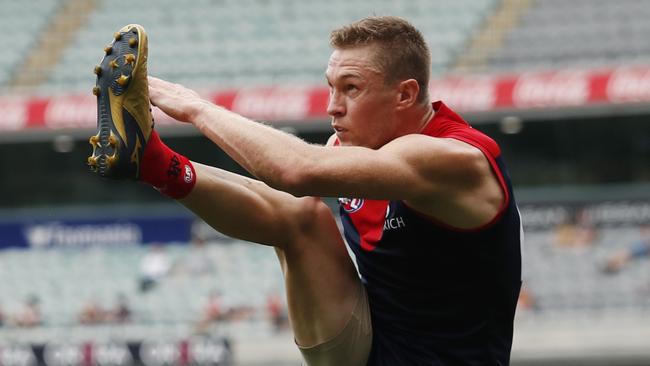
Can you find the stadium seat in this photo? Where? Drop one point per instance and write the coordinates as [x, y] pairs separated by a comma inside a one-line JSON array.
[[242, 43], [557, 34]]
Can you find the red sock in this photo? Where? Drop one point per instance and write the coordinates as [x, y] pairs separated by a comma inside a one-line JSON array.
[[169, 172]]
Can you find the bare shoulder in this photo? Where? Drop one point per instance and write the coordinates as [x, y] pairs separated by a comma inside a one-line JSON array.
[[462, 187], [435, 152]]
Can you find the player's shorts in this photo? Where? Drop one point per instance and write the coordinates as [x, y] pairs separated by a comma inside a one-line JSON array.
[[351, 347]]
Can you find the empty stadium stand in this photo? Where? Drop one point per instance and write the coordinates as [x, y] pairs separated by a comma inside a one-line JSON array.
[[557, 34], [227, 43], [22, 23], [65, 279], [564, 277], [230, 43]]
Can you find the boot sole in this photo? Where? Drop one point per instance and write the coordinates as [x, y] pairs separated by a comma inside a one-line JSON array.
[[114, 74]]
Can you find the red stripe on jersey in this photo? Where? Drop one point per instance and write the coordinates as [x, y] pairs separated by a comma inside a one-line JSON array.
[[447, 124], [369, 221]]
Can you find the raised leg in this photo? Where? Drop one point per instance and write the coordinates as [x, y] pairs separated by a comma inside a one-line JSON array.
[[321, 282]]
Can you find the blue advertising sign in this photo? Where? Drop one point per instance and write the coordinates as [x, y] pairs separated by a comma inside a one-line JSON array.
[[75, 232]]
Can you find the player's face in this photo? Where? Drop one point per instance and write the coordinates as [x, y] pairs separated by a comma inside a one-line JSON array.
[[362, 107]]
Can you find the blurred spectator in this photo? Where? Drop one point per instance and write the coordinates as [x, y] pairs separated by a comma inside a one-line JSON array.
[[212, 312], [92, 313], [277, 312], [153, 267], [578, 231], [240, 312], [30, 315], [526, 302], [622, 258], [121, 313]]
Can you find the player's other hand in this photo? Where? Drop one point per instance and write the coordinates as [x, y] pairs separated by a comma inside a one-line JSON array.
[[175, 100]]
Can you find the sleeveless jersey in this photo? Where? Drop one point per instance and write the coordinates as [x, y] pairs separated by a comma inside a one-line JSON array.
[[438, 295]]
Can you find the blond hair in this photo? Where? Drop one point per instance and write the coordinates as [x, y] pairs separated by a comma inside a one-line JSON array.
[[402, 51]]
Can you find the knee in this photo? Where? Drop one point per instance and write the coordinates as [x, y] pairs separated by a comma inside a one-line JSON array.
[[313, 215], [311, 221], [291, 222]]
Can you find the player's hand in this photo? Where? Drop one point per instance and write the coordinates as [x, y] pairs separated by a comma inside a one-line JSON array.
[[177, 101]]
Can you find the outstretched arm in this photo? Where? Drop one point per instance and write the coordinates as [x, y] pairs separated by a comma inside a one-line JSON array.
[[268, 154], [444, 178]]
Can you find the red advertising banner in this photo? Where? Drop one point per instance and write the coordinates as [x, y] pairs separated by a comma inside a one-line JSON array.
[[548, 89]]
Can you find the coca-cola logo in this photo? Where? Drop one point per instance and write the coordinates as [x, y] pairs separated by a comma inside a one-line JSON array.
[[567, 88], [466, 94], [14, 114], [629, 85], [273, 103], [71, 112]]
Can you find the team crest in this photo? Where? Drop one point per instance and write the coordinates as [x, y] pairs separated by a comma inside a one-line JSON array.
[[351, 205]]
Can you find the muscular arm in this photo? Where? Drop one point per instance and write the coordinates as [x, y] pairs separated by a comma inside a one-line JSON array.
[[447, 179]]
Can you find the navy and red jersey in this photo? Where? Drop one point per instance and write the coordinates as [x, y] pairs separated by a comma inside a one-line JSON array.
[[438, 295]]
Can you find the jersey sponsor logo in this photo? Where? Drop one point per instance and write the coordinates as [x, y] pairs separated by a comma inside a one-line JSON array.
[[351, 205], [392, 223]]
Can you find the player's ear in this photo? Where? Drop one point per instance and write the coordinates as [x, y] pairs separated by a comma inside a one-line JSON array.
[[407, 93]]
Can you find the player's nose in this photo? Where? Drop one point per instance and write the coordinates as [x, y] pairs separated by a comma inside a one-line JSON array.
[[335, 105]]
